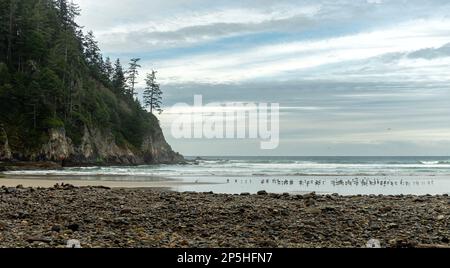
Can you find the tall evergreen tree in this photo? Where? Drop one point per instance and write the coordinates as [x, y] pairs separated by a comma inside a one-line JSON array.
[[119, 80], [152, 93], [108, 69], [133, 73], [53, 76]]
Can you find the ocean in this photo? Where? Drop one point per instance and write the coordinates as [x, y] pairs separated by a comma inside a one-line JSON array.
[[323, 175]]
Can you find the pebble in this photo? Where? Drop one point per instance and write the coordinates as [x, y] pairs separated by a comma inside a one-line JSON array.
[[144, 218], [73, 243], [262, 193], [373, 243], [56, 228], [73, 227]]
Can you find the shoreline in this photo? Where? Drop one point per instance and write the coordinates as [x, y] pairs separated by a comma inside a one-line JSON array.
[[49, 165], [50, 181], [135, 218]]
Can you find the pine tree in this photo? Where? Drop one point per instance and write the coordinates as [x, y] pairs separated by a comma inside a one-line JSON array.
[[119, 80], [132, 75], [92, 52], [108, 69], [53, 76], [152, 93]]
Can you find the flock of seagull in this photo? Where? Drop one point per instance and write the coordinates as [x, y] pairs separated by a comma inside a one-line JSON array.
[[336, 182]]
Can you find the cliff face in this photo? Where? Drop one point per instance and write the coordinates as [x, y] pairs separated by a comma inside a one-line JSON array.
[[5, 151], [96, 148]]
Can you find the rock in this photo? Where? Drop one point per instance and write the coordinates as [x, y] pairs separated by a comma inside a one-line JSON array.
[[73, 243], [440, 218], [310, 202], [373, 243], [392, 226], [314, 211], [267, 244], [402, 243], [262, 193], [75, 227], [385, 209], [161, 219], [245, 194], [432, 246], [102, 187], [374, 226], [5, 150], [95, 146], [121, 221], [33, 239], [11, 190], [328, 209], [310, 195], [126, 211], [56, 228]]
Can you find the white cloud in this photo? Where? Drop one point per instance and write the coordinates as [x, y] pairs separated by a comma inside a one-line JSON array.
[[350, 74], [275, 60], [193, 27]]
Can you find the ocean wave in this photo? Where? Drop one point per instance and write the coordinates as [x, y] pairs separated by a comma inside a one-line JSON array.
[[441, 162]]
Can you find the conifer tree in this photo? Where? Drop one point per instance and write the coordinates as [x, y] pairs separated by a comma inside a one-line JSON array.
[[132, 75], [152, 93], [119, 80]]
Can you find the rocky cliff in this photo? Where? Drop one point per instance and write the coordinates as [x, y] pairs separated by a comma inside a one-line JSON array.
[[5, 151], [96, 148]]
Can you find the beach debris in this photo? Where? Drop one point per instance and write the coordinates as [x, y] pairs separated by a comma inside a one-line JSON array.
[[73, 243], [373, 243]]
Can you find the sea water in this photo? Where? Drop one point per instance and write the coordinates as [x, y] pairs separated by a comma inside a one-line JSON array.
[[342, 175]]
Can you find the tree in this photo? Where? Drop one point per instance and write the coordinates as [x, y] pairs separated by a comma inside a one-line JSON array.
[[11, 29], [133, 74], [92, 52], [108, 69], [52, 75], [152, 93], [118, 80]]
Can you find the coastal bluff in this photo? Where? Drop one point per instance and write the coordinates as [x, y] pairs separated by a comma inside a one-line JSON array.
[[96, 147]]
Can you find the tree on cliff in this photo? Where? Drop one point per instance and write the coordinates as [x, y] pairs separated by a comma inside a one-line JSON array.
[[132, 75], [152, 93], [52, 75], [119, 82]]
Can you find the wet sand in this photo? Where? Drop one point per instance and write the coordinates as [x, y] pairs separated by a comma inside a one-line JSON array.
[[110, 182]]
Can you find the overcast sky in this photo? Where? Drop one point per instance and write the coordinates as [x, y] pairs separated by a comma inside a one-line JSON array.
[[356, 77]]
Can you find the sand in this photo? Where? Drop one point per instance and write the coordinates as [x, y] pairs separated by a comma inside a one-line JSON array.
[[111, 182]]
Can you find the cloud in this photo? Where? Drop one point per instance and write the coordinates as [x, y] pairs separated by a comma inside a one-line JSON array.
[[431, 53], [274, 61], [199, 27], [353, 77]]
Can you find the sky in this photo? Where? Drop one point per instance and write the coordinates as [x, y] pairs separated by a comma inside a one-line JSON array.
[[352, 77]]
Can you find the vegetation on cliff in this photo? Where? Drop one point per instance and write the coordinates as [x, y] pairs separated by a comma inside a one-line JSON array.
[[53, 76]]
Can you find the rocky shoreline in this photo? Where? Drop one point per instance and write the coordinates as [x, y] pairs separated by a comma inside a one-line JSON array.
[[128, 218]]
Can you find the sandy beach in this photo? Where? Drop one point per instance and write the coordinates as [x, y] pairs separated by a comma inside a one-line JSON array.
[[110, 182]]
